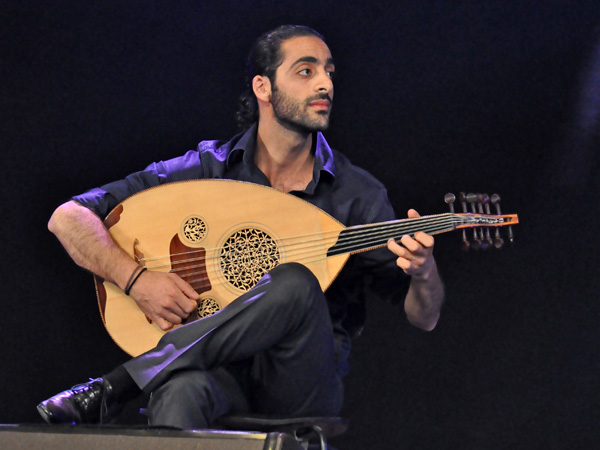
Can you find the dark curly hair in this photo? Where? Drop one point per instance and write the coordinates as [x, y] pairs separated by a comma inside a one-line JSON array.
[[264, 59]]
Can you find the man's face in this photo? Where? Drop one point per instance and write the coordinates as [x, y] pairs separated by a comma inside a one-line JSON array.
[[303, 90]]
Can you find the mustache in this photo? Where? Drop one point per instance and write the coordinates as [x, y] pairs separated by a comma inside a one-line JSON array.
[[318, 97]]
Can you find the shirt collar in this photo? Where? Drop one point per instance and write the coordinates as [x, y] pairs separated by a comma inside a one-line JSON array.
[[246, 145], [324, 155]]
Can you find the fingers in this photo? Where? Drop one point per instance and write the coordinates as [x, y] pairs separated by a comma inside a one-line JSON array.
[[186, 289], [403, 262], [418, 244], [165, 298], [416, 264], [411, 253], [424, 239], [179, 299], [421, 237], [415, 252], [413, 214], [163, 324]]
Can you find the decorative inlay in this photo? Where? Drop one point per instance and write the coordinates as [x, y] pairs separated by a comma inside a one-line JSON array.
[[207, 307], [194, 229], [246, 256]]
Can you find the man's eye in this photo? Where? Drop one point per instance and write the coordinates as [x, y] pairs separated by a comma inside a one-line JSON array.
[[331, 74], [304, 72]]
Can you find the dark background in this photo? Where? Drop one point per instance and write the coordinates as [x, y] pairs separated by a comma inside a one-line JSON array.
[[431, 97]]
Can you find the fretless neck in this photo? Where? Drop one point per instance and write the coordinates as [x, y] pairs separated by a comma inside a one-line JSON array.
[[367, 237]]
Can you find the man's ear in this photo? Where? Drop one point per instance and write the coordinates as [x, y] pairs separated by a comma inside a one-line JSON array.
[[261, 85]]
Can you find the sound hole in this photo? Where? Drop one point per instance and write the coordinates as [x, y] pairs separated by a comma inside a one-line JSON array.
[[246, 256], [207, 307], [194, 229]]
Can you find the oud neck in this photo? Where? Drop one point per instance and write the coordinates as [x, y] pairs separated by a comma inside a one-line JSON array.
[[367, 237]]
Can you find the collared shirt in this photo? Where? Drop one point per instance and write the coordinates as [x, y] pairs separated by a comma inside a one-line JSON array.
[[349, 194]]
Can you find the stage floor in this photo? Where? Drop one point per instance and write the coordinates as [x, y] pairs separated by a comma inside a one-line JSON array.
[[36, 436]]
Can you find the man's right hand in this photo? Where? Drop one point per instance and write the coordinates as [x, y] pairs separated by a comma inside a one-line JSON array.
[[165, 298]]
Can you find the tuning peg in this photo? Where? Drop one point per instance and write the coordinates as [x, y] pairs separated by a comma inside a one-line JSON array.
[[450, 198], [496, 202], [472, 200], [463, 201], [485, 243], [485, 202], [479, 205]]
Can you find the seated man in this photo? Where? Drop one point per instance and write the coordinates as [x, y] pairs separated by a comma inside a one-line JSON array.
[[281, 347]]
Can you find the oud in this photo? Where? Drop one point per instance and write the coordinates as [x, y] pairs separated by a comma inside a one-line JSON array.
[[222, 236]]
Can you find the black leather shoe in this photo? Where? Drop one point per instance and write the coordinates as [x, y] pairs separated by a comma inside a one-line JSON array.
[[90, 402]]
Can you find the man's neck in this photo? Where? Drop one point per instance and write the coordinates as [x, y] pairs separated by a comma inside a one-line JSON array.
[[284, 156]]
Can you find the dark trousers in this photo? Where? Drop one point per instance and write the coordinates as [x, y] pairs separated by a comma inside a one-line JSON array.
[[270, 351]]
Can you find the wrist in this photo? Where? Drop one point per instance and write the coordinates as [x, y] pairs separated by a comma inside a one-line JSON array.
[[423, 275], [135, 274]]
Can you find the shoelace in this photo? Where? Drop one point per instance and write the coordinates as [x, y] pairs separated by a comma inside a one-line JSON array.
[[84, 388]]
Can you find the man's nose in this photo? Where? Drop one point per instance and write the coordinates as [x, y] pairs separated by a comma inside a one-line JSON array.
[[324, 84]]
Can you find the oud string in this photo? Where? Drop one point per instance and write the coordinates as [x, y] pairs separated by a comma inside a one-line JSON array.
[[311, 248], [348, 240]]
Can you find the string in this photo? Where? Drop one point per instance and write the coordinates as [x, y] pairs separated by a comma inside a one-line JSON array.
[[362, 236], [313, 247]]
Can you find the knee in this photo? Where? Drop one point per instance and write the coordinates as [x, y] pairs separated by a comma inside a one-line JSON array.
[[294, 276], [295, 285]]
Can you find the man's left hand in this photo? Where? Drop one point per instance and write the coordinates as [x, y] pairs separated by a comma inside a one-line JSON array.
[[415, 255]]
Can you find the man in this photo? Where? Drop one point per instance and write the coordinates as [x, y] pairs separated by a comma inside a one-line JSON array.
[[231, 361]]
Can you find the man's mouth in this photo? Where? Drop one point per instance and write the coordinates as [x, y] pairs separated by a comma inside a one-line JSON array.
[[320, 104]]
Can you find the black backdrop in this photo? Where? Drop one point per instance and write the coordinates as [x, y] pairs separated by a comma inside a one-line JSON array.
[[432, 97]]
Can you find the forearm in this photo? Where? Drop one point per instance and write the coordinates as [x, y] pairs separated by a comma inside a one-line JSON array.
[[88, 242], [424, 300]]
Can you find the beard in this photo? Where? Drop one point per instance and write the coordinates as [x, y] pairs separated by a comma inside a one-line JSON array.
[[295, 115]]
